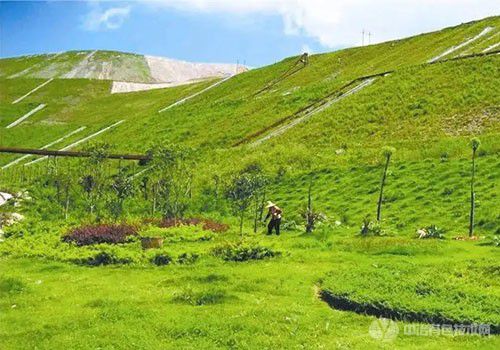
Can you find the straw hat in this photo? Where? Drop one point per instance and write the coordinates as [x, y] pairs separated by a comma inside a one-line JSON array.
[[270, 204]]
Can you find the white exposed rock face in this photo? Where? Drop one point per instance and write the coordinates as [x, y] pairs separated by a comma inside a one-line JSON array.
[[10, 219], [129, 72], [81, 70], [123, 86], [168, 70], [4, 197]]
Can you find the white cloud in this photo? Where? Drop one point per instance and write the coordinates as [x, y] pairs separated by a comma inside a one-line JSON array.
[[340, 22], [111, 18]]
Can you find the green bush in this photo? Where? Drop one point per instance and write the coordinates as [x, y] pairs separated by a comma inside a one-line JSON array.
[[370, 228], [431, 231], [161, 259], [103, 258], [11, 285], [496, 240], [241, 252], [187, 258]]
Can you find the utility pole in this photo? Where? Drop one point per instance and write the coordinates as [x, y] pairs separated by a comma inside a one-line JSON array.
[[369, 37], [363, 37]]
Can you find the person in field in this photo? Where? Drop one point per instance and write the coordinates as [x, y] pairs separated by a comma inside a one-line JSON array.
[[275, 214]]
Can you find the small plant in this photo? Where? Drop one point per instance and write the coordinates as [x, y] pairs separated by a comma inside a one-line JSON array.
[[187, 258], [311, 217], [475, 143], [431, 231], [95, 234], [207, 297], [370, 228], [387, 153], [206, 224], [103, 258], [161, 259], [495, 240], [240, 252]]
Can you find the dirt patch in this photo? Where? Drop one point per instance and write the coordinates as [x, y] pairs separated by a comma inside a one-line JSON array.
[[471, 124]]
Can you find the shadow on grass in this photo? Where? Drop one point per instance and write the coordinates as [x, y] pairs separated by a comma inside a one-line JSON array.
[[344, 303]]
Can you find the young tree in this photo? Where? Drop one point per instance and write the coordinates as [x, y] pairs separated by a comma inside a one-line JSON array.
[[122, 187], [172, 168], [387, 153], [475, 143], [312, 217], [93, 180], [240, 193], [65, 181], [259, 183], [309, 213]]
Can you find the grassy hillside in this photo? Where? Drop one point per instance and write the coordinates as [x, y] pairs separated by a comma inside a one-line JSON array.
[[427, 112]]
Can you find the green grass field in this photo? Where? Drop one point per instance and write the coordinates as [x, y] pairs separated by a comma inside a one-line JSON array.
[[321, 290]]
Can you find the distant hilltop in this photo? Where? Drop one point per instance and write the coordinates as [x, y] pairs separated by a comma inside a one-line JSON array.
[[143, 71]]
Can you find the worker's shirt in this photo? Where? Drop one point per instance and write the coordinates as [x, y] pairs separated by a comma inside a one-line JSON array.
[[275, 212]]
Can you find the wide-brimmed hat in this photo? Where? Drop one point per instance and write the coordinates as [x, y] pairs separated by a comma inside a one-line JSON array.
[[270, 204]]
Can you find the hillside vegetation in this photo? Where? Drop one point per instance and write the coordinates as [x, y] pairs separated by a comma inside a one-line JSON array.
[[318, 131]]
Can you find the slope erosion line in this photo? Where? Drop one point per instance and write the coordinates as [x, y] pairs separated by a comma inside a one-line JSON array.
[[26, 116], [457, 47], [338, 92]]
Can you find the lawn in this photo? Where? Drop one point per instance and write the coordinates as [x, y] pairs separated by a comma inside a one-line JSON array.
[[270, 303]]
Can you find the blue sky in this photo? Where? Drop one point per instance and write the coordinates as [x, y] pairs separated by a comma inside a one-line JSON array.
[[256, 32]]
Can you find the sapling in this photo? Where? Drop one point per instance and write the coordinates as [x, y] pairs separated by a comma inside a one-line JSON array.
[[312, 217], [94, 179], [172, 169], [121, 188], [240, 193], [387, 153], [309, 213], [475, 143]]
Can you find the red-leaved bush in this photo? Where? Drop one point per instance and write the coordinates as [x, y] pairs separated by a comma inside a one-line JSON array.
[[105, 233], [206, 224]]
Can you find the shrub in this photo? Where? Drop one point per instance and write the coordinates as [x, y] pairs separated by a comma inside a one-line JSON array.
[[431, 231], [370, 228], [103, 258], [240, 252], [206, 224], [11, 285], [495, 240], [161, 259], [95, 234], [187, 258]]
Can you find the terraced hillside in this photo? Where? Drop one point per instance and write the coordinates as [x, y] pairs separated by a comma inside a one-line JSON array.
[[321, 127]]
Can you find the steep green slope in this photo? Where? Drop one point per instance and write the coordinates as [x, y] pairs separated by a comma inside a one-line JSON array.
[[425, 111]]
